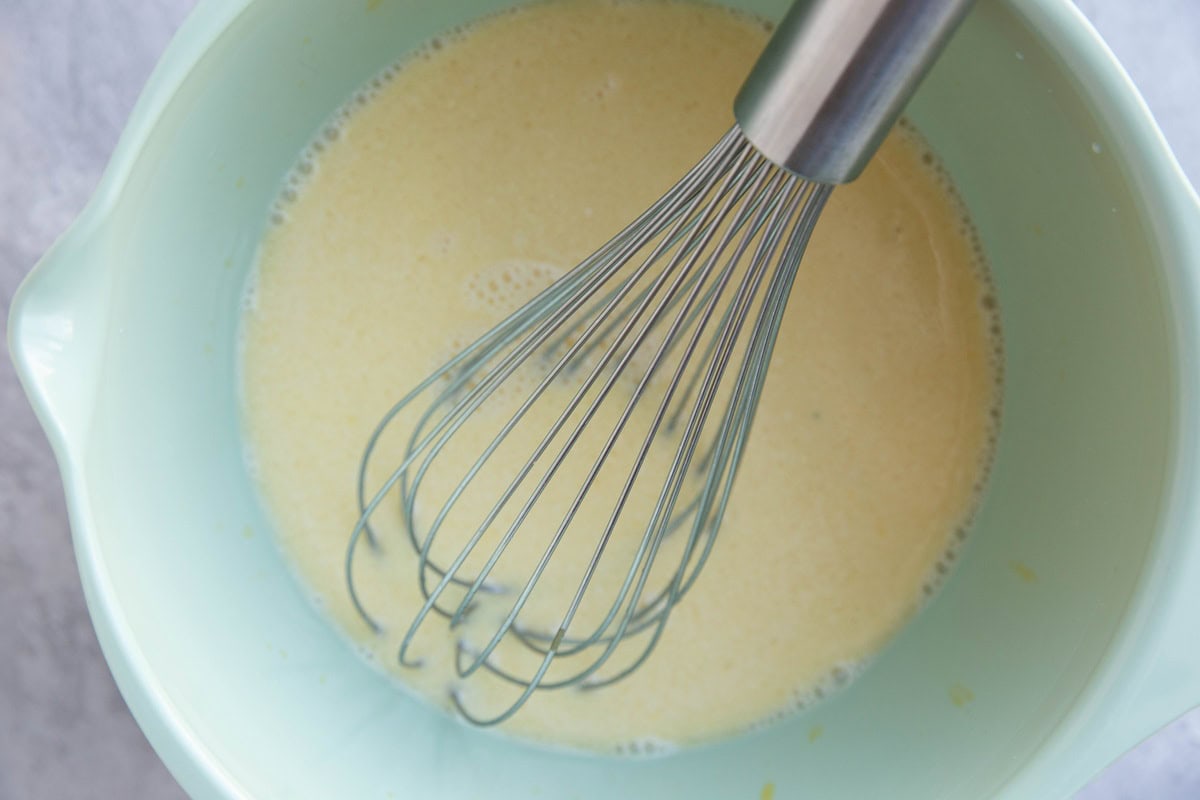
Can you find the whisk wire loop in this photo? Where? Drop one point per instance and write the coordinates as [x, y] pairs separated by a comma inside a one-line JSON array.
[[626, 354], [662, 308], [486, 388]]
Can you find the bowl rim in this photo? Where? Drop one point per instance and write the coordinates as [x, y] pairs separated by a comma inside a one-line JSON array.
[[1161, 184], [1122, 687]]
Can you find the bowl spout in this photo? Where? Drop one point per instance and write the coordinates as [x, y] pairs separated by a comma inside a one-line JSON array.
[[56, 333]]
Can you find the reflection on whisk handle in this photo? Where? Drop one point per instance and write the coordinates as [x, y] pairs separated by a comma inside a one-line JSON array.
[[835, 77]]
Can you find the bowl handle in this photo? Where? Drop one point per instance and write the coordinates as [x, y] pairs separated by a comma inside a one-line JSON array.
[[57, 329]]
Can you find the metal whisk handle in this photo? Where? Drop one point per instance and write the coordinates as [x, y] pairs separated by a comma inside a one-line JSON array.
[[835, 77]]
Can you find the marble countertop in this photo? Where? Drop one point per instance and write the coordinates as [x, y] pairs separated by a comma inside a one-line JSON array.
[[70, 71]]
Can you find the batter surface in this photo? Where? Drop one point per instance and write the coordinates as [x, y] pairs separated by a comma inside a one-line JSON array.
[[475, 173]]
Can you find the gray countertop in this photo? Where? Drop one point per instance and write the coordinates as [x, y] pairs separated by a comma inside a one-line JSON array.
[[70, 71]]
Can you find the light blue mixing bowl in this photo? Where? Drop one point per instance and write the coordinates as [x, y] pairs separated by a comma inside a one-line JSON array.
[[1068, 632]]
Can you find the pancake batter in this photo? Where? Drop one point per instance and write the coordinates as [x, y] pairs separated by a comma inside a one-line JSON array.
[[476, 172]]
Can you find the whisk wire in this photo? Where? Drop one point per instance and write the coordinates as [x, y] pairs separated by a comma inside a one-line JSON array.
[[734, 213], [580, 281], [690, 440], [653, 531], [494, 380], [752, 377], [678, 586], [513, 362], [669, 494], [784, 275], [612, 352]]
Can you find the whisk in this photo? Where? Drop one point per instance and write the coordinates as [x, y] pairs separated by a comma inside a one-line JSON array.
[[624, 393]]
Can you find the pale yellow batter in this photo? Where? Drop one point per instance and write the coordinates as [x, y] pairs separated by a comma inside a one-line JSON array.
[[483, 169]]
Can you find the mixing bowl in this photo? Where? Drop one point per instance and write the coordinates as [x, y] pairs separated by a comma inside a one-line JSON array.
[[1067, 633]]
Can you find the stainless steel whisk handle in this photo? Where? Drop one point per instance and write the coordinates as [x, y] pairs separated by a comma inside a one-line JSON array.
[[834, 78]]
